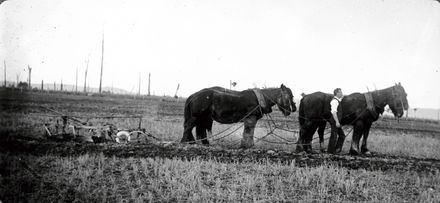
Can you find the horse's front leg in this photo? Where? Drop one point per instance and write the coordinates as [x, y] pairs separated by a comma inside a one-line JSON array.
[[357, 133], [248, 134], [364, 149]]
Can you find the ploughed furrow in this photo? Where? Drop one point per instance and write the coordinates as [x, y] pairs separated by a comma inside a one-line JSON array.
[[373, 162]]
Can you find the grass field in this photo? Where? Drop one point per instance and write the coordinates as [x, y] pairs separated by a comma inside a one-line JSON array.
[[108, 179], [99, 177]]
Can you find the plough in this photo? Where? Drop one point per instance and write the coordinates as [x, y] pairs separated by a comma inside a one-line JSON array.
[[69, 128]]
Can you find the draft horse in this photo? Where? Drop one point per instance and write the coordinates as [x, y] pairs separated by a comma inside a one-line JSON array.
[[227, 106], [358, 110]]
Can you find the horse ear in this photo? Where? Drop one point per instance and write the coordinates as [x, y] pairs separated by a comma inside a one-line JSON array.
[[282, 86], [399, 84]]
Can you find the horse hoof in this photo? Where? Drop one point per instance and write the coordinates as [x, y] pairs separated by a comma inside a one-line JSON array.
[[353, 152], [311, 152], [299, 149], [366, 152], [338, 150]]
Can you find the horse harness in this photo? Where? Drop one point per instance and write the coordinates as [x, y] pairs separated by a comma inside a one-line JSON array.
[[372, 107], [370, 103], [260, 97]]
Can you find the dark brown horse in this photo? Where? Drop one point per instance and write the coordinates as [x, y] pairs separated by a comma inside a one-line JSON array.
[[314, 111], [228, 106]]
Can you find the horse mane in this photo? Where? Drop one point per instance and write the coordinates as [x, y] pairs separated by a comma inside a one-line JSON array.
[[222, 90]]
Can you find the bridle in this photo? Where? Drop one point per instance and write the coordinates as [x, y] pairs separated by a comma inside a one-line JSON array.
[[278, 103], [290, 103], [395, 103], [401, 107], [395, 94]]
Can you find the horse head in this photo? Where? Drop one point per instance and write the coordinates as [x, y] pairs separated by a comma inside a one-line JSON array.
[[398, 102], [285, 101]]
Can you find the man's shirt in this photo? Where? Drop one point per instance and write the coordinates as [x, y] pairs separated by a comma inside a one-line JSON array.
[[334, 104]]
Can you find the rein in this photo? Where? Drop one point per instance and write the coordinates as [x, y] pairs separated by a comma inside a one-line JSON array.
[[230, 133]]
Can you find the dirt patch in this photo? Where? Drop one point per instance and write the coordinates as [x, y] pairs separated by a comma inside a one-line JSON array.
[[373, 162]]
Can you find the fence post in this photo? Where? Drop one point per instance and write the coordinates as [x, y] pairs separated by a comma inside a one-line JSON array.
[[140, 122]]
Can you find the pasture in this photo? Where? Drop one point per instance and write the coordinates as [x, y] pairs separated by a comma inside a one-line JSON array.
[[404, 165]]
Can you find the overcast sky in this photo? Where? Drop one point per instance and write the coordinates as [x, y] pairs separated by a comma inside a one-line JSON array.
[[309, 45]]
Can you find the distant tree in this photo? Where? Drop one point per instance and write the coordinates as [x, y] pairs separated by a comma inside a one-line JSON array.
[[22, 85]]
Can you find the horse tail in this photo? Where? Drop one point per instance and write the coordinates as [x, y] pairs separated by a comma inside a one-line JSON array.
[[301, 114], [187, 110]]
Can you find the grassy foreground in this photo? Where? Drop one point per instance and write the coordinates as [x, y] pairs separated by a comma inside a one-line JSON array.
[[96, 178]]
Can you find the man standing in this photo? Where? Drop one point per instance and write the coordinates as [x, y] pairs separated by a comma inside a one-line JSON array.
[[337, 136]]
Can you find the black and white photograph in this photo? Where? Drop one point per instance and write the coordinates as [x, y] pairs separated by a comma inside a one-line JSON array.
[[219, 101]]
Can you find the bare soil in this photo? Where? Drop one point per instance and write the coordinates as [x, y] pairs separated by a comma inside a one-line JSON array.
[[372, 162]]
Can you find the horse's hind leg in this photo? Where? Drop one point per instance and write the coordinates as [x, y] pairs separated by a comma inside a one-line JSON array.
[[187, 132], [300, 142], [305, 133], [321, 129], [201, 134], [309, 138], [208, 127], [202, 128]]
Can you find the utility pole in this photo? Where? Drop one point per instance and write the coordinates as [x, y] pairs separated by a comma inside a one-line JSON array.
[[177, 89], [42, 85], [61, 85], [438, 111], [102, 62], [29, 82], [438, 115], [139, 91], [85, 77], [76, 81], [149, 77], [18, 78], [4, 62]]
